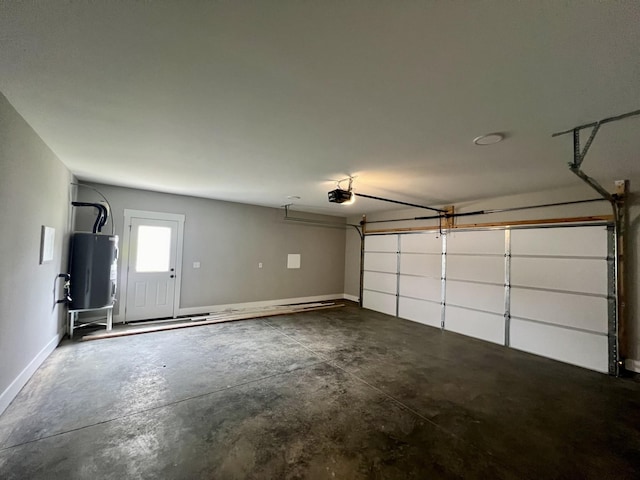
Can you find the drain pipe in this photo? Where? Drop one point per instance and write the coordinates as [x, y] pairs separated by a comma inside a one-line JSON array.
[[617, 344]]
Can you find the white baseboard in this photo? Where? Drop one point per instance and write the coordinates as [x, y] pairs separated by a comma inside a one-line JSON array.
[[20, 381], [633, 365], [353, 298], [266, 303]]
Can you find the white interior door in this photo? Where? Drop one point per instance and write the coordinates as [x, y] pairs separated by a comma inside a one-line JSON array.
[[151, 273]]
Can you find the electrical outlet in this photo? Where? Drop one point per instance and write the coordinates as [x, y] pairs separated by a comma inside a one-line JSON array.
[[259, 264], [196, 264]]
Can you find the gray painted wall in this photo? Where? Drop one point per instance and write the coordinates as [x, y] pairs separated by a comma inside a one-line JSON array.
[[229, 239], [352, 248], [34, 191]]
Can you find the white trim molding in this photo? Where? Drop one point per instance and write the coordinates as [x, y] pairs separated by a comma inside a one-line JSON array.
[[21, 380], [353, 298], [632, 364], [266, 303]]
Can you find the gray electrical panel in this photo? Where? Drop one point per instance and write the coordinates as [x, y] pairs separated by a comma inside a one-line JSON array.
[[93, 270]]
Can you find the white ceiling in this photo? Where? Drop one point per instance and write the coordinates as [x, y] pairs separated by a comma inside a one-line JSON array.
[[251, 101]]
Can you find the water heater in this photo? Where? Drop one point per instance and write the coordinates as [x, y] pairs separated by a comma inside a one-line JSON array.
[[93, 270]]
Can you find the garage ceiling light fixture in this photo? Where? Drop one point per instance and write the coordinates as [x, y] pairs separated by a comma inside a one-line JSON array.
[[488, 139]]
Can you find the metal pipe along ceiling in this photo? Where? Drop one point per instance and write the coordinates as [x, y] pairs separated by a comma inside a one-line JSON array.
[[321, 223]]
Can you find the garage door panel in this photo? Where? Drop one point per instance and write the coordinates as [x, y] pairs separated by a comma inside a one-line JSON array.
[[420, 311], [558, 296], [420, 243], [485, 326], [381, 282], [478, 269], [381, 262], [481, 242], [577, 311], [573, 241], [380, 302], [574, 275], [571, 346], [421, 264], [421, 287], [475, 295], [381, 243]]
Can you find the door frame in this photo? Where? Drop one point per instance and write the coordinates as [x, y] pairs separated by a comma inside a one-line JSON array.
[[129, 214]]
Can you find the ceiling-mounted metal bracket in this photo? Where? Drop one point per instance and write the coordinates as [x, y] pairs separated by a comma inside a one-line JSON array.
[[578, 155], [578, 152], [593, 124]]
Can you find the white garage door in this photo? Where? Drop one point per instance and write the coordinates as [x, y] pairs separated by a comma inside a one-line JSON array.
[[475, 284], [420, 282], [541, 290], [559, 294], [380, 276]]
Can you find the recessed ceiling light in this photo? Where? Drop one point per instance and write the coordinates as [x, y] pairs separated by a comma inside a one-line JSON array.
[[293, 197], [488, 139]]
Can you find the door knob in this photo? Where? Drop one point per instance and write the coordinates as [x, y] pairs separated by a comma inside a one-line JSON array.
[[171, 276]]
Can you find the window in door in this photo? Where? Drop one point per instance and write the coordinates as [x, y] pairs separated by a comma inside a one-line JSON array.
[[153, 253]]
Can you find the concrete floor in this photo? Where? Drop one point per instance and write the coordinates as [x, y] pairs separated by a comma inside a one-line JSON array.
[[344, 393]]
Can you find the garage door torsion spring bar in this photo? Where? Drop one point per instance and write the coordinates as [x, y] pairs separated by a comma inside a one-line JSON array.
[[489, 211]]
